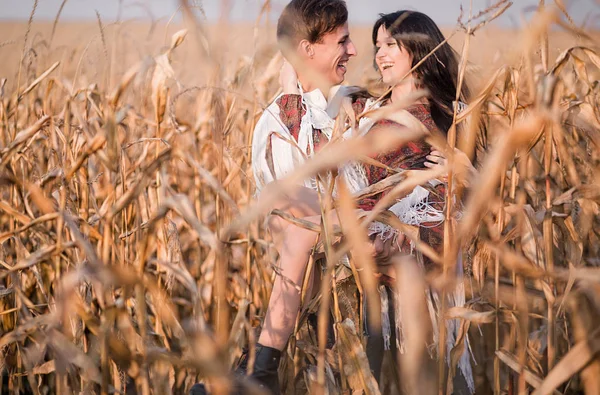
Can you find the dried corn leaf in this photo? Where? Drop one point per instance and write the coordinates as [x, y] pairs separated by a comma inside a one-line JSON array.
[[576, 359], [356, 365]]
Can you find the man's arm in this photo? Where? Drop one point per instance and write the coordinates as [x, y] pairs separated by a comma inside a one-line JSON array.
[[263, 143]]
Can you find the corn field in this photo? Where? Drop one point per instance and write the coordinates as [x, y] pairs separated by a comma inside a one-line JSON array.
[[133, 252]]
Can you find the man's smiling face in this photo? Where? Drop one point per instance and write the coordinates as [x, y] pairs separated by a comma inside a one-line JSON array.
[[331, 55]]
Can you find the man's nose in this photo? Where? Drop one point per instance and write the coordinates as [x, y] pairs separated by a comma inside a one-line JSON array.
[[351, 49]]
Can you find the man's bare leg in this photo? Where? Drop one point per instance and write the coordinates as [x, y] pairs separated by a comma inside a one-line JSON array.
[[294, 245], [284, 304]]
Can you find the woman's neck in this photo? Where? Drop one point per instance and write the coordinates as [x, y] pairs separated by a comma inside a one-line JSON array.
[[402, 90]]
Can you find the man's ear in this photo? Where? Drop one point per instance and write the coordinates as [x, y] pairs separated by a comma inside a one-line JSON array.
[[306, 48]]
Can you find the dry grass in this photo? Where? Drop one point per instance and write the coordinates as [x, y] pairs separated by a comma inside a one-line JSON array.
[[132, 252]]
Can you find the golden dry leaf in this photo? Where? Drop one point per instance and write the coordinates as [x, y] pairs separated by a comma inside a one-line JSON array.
[[467, 314], [163, 73], [356, 365], [532, 238], [577, 358], [67, 351], [45, 368], [566, 55], [125, 82], [512, 362], [22, 137], [182, 205], [178, 38], [8, 209], [112, 143], [493, 170], [39, 79]]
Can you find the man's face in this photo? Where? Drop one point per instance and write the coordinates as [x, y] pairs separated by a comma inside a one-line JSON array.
[[331, 55]]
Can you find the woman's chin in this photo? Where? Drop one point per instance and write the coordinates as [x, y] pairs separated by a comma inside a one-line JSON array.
[[388, 81]]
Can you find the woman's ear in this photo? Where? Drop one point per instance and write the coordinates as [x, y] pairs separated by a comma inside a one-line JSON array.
[[306, 48]]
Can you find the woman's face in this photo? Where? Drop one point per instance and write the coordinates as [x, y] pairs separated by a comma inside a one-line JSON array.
[[393, 60]]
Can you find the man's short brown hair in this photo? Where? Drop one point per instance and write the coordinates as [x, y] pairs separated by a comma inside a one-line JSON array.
[[310, 20]]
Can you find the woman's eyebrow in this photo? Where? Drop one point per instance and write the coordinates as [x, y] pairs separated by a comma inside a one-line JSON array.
[[385, 40]]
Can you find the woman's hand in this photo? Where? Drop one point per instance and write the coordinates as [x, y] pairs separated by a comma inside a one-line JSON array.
[[463, 169], [288, 79], [383, 251], [436, 158]]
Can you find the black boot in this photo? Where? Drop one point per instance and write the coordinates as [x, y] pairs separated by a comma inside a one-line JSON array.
[[266, 364], [264, 375], [198, 389]]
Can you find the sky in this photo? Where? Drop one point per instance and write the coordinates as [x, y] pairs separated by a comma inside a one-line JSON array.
[[444, 12]]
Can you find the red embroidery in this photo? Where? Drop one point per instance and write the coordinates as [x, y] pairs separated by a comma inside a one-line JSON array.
[[291, 112], [358, 105]]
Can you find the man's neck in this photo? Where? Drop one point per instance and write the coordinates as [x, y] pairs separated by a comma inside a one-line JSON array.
[[308, 86]]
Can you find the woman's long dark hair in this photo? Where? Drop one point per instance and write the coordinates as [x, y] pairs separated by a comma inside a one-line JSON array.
[[419, 35]]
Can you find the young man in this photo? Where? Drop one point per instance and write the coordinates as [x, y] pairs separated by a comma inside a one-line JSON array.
[[313, 35]]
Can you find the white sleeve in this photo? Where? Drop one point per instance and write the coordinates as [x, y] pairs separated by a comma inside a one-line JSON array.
[[282, 151]]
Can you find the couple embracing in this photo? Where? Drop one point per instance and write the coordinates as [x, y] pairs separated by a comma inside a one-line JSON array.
[[314, 37]]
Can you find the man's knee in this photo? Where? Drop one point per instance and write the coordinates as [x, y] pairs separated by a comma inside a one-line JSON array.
[[298, 239]]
